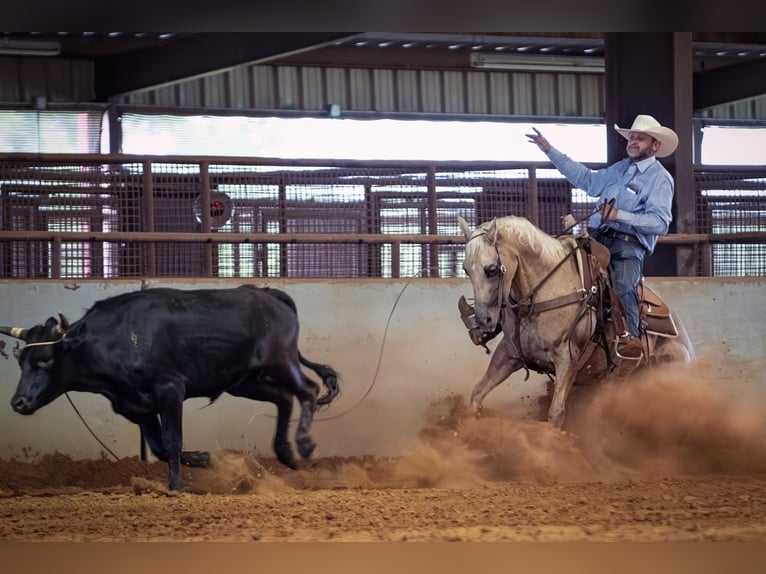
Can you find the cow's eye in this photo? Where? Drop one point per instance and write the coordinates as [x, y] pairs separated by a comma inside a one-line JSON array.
[[45, 364], [491, 270]]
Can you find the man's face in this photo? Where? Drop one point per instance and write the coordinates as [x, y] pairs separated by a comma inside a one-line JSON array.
[[640, 146]]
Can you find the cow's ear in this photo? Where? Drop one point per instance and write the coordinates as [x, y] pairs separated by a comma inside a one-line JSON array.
[[52, 328], [74, 337]]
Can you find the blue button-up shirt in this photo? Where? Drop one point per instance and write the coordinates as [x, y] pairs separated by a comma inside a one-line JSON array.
[[643, 194]]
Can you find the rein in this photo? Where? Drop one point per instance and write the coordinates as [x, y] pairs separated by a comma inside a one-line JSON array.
[[565, 299], [576, 297], [44, 343], [545, 305], [536, 288]]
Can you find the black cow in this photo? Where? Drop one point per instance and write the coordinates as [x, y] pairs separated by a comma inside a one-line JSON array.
[[147, 351]]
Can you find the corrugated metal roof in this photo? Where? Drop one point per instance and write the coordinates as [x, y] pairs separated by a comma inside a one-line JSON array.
[[710, 46], [365, 73]]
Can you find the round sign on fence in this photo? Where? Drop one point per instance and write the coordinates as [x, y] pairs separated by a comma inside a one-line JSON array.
[[221, 208]]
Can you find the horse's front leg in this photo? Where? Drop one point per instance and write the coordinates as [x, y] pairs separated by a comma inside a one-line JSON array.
[[502, 364], [565, 376]]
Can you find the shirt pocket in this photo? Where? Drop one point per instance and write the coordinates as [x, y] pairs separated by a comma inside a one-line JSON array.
[[631, 199]]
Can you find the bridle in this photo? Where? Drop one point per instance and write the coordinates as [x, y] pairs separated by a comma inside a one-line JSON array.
[[502, 269]]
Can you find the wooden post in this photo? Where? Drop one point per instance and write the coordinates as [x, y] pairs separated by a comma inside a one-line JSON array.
[[56, 258], [433, 222], [534, 198], [151, 248], [395, 263], [204, 173], [282, 209]]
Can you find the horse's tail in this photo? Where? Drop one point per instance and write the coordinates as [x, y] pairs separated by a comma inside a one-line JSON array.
[[329, 378]]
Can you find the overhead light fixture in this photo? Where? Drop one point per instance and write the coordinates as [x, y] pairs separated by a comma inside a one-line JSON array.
[[21, 47], [538, 63]]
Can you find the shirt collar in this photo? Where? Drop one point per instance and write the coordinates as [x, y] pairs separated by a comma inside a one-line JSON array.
[[644, 164]]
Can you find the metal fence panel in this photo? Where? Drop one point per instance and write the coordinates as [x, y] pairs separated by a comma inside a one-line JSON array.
[[122, 216]]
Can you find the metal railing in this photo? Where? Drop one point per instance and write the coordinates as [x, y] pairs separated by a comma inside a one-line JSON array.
[[104, 216]]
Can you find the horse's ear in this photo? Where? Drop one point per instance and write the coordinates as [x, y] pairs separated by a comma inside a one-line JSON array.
[[491, 236], [463, 226]]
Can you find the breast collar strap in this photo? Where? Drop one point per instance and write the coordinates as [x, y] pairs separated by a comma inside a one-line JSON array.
[[535, 289]]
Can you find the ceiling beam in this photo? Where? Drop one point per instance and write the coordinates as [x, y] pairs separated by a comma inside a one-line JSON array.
[[727, 84], [198, 55], [373, 57]]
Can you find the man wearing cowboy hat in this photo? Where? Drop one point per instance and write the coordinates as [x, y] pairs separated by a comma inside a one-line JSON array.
[[637, 196]]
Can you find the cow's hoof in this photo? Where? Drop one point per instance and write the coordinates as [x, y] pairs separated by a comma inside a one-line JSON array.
[[285, 456], [306, 447], [195, 458]]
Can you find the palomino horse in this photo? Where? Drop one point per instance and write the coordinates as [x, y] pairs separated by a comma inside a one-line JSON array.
[[530, 284]]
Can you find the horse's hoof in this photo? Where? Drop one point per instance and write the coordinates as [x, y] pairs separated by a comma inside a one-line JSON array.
[[556, 420]]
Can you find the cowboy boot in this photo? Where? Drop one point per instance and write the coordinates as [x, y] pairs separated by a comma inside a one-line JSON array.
[[626, 353], [628, 347]]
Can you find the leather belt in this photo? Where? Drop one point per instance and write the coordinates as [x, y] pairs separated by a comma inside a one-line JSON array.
[[614, 234]]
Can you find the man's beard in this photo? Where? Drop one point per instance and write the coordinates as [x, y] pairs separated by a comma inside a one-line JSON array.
[[641, 155]]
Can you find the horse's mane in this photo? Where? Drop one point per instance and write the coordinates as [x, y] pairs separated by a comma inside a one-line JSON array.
[[548, 248]]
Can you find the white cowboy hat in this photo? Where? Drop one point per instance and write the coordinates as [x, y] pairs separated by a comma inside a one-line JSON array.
[[648, 125]]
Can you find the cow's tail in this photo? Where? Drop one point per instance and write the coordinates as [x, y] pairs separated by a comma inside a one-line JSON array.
[[282, 296], [327, 373], [329, 378]]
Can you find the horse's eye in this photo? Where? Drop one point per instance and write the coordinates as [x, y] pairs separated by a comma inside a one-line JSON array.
[[491, 270]]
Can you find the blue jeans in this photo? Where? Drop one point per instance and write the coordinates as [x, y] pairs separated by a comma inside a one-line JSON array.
[[625, 268]]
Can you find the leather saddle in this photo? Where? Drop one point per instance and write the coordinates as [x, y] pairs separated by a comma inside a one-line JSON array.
[[654, 314]]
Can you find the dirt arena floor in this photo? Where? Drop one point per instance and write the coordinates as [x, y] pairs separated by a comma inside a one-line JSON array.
[[658, 459]]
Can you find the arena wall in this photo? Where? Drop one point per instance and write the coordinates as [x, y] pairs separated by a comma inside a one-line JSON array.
[[399, 346]]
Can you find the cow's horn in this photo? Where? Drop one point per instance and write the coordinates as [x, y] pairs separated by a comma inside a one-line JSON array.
[[15, 332]]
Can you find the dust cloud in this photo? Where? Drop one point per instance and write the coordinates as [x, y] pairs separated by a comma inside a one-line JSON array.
[[664, 423], [673, 422]]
